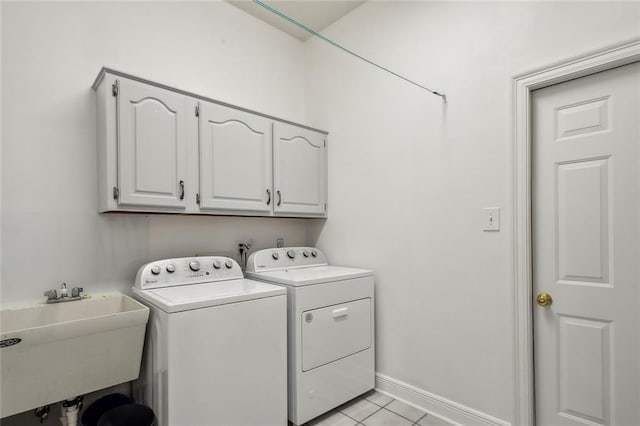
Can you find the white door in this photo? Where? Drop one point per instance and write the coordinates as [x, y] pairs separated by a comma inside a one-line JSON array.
[[585, 196], [235, 160], [299, 170], [152, 144]]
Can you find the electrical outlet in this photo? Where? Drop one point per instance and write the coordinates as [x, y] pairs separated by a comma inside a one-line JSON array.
[[280, 242]]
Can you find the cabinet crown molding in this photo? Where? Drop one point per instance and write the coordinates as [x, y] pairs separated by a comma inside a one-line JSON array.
[[105, 70]]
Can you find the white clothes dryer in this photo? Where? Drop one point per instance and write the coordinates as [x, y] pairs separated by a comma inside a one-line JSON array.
[[330, 313], [215, 352]]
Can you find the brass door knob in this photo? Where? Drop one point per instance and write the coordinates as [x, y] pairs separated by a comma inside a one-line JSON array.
[[544, 299]]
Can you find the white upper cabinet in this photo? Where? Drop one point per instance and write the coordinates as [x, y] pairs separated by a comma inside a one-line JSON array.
[[299, 170], [235, 159], [165, 150], [152, 145]]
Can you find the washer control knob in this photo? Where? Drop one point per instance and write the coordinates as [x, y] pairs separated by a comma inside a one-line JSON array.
[[217, 264], [275, 255], [155, 270], [314, 253], [228, 264], [305, 253], [194, 265], [291, 254], [171, 269]]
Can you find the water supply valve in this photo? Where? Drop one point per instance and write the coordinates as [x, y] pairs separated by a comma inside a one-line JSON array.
[[42, 413]]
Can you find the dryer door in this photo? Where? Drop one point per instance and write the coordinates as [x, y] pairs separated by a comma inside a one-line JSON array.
[[335, 332]]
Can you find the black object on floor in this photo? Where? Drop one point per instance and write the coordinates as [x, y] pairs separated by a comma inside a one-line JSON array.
[[93, 412], [128, 415]]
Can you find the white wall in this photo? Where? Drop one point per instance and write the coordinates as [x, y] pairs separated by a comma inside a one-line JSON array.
[[51, 53], [1, 133], [409, 175]]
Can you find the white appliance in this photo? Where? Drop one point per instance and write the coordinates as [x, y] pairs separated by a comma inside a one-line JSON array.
[[330, 331], [215, 352]]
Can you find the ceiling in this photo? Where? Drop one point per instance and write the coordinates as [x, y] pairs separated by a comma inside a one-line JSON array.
[[314, 14]]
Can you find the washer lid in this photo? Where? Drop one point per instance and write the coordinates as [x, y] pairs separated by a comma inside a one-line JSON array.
[[196, 296], [312, 275]]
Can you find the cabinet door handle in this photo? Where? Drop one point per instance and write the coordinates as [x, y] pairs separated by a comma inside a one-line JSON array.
[[268, 196], [182, 190], [279, 197]]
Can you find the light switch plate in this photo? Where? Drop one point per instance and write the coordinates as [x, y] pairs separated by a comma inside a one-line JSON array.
[[491, 219]]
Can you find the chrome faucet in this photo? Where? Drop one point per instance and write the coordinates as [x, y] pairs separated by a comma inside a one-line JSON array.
[[62, 294]]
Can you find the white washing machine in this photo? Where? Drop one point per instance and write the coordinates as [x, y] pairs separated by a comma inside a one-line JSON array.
[[215, 352], [330, 331]]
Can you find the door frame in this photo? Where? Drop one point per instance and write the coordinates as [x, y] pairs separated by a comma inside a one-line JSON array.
[[523, 84]]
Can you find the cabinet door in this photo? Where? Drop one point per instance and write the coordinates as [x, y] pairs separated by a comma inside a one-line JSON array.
[[235, 160], [152, 146], [299, 170]]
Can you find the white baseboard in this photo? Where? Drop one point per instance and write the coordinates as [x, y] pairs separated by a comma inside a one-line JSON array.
[[438, 406]]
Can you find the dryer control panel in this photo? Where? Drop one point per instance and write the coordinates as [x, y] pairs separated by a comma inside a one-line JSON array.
[[285, 258], [187, 271]]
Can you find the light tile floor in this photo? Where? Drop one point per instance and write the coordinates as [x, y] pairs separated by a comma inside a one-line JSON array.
[[377, 409]]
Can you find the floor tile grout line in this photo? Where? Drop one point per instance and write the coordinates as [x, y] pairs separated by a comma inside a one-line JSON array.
[[393, 412], [360, 421], [382, 406], [406, 418], [364, 398], [416, 423], [379, 408], [355, 420], [425, 415]]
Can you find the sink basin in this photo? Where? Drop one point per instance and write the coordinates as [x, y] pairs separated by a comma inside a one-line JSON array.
[[52, 352]]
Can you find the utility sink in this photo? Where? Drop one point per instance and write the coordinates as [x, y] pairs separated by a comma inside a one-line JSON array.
[[52, 352]]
